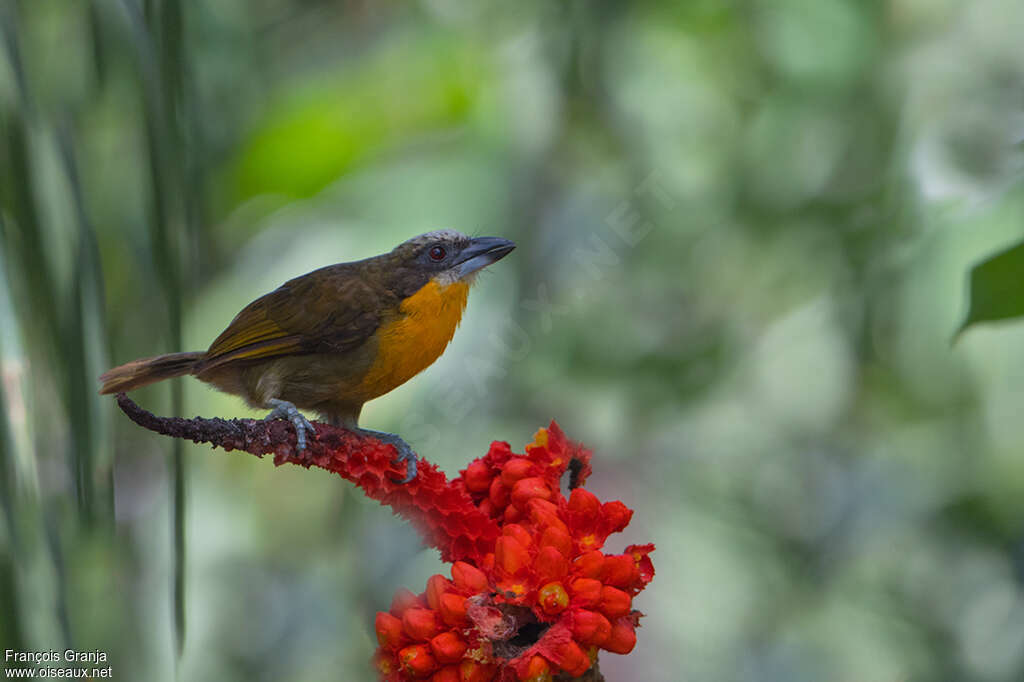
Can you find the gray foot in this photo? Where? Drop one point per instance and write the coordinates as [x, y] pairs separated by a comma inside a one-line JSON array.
[[405, 453], [285, 410]]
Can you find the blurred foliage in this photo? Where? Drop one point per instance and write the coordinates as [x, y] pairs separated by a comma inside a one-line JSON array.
[[744, 233]]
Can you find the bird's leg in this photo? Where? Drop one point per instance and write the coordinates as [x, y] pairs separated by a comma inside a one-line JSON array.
[[405, 453], [285, 410]]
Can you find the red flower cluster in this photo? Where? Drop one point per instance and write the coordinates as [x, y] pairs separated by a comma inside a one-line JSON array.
[[531, 597], [537, 596]]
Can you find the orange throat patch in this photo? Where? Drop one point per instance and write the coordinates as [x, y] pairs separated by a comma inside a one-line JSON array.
[[416, 336]]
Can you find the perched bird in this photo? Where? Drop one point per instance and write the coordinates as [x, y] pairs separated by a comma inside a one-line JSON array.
[[334, 338]]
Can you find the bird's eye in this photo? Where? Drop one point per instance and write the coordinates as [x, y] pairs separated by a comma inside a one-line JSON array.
[[437, 253]]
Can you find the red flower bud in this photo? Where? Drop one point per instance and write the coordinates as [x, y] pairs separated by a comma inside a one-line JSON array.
[[477, 477], [557, 538], [589, 564], [622, 638], [389, 630], [553, 598], [644, 567], [453, 609], [448, 647], [614, 602], [590, 627], [515, 469], [468, 578], [550, 564], [420, 624], [510, 555], [527, 489], [416, 660], [404, 599], [584, 502], [619, 570], [586, 591]]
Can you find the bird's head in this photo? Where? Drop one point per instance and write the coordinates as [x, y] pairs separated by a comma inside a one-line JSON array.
[[447, 256]]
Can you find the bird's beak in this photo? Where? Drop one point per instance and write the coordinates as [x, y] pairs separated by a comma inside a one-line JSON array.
[[481, 252]]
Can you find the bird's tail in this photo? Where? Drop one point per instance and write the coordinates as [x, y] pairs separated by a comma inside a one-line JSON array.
[[148, 370]]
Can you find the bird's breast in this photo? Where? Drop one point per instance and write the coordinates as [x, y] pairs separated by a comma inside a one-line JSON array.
[[416, 336]]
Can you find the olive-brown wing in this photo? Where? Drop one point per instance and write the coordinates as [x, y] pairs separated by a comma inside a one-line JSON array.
[[331, 310]]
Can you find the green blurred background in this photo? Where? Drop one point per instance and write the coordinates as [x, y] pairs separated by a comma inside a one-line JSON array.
[[744, 230]]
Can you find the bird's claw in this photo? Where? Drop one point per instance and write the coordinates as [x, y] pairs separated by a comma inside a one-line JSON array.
[[405, 453], [286, 410]]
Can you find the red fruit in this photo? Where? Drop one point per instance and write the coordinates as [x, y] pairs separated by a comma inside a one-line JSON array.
[[420, 624], [571, 659], [404, 599], [448, 673], [622, 638], [550, 564], [590, 627], [468, 577], [453, 609], [584, 502], [416, 660], [614, 602], [557, 538], [448, 647], [512, 514], [471, 671], [527, 489], [586, 591], [477, 477], [510, 555], [538, 507], [619, 570], [516, 531], [515, 469], [498, 494], [545, 519], [589, 564], [537, 670], [436, 586], [486, 508], [616, 514], [389, 630], [553, 598]]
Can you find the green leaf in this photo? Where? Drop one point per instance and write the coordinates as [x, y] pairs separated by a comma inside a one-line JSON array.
[[996, 288]]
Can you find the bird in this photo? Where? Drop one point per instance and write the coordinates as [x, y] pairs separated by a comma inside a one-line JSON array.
[[337, 337]]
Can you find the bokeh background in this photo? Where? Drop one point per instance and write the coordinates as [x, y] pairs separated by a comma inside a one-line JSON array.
[[744, 230]]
